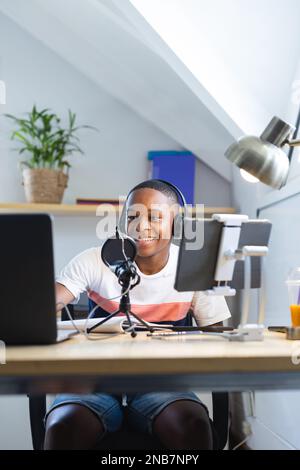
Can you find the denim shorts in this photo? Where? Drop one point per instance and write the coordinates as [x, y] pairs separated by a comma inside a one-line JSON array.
[[141, 408]]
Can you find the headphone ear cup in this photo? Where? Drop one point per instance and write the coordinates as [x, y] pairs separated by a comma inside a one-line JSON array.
[[177, 226]]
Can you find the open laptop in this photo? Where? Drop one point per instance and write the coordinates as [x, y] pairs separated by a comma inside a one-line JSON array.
[[27, 288]]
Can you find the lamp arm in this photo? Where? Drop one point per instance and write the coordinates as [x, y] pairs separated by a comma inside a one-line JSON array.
[[292, 143]]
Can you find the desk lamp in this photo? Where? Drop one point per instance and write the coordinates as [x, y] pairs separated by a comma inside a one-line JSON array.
[[263, 157]]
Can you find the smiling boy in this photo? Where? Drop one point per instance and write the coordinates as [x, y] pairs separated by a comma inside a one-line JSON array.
[[178, 419]]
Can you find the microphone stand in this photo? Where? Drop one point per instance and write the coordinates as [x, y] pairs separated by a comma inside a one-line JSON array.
[[125, 272]]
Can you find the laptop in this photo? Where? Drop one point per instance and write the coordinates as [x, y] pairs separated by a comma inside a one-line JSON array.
[[27, 286]]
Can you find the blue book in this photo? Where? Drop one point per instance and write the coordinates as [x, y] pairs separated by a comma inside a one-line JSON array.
[[175, 167]]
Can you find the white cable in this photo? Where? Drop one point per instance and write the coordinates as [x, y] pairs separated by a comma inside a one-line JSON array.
[[90, 314], [242, 442], [274, 433], [277, 436], [69, 315], [87, 335], [123, 246], [98, 305]]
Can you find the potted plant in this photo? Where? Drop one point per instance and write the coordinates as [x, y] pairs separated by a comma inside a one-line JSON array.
[[47, 146]]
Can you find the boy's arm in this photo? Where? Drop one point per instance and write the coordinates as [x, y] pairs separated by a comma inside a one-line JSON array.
[[63, 296], [209, 310], [77, 276]]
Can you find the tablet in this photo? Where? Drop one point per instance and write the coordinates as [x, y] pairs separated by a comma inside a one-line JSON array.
[[196, 268]]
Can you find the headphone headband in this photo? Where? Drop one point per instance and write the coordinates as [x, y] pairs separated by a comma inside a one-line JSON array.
[[171, 185], [177, 190]]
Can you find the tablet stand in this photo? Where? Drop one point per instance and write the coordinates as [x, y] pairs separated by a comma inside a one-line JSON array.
[[228, 254]]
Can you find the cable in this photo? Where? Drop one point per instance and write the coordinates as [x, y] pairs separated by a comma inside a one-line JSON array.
[[69, 315], [265, 426], [87, 335], [89, 315], [242, 442], [273, 433], [123, 245], [127, 260], [118, 235]]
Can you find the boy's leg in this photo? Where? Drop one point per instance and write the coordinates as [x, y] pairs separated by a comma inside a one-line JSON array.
[[184, 425], [72, 427], [178, 420], [80, 421]]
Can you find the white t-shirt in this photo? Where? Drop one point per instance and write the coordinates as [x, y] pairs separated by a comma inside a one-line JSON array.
[[154, 299]]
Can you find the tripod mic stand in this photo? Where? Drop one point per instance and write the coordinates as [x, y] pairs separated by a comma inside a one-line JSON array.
[[125, 272]]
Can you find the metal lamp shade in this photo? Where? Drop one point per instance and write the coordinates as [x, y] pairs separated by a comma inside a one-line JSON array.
[[263, 156]]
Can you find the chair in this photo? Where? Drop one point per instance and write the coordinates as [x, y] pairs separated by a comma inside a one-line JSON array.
[[129, 438]]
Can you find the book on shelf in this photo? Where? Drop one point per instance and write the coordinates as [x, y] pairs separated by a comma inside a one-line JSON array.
[[97, 201]]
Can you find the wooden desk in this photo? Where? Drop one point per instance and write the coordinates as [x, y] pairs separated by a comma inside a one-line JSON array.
[[124, 364]]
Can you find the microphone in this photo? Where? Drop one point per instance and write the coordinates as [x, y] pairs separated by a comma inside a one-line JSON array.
[[118, 253]]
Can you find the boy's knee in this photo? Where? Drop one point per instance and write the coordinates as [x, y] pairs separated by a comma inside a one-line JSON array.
[[199, 424], [191, 421], [184, 425], [64, 425], [57, 429]]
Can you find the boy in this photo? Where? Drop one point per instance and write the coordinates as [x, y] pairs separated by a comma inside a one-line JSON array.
[[178, 419]]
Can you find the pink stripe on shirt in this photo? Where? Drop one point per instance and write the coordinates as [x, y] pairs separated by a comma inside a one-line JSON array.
[[169, 311]]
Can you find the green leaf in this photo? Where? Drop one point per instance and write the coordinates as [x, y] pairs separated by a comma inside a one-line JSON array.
[[42, 137]]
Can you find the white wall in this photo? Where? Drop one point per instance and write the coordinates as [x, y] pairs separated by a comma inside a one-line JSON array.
[[278, 413], [211, 189], [112, 54], [115, 159], [14, 419], [33, 73]]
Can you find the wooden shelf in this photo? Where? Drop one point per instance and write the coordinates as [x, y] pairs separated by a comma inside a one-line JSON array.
[[77, 210], [54, 209]]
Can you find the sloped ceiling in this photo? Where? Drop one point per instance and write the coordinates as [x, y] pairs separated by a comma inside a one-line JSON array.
[[113, 44], [109, 50], [244, 52]]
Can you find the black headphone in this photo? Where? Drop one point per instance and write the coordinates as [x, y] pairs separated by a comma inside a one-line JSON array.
[[179, 220]]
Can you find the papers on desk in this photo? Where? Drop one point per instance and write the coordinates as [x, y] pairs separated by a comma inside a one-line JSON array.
[[114, 325]]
